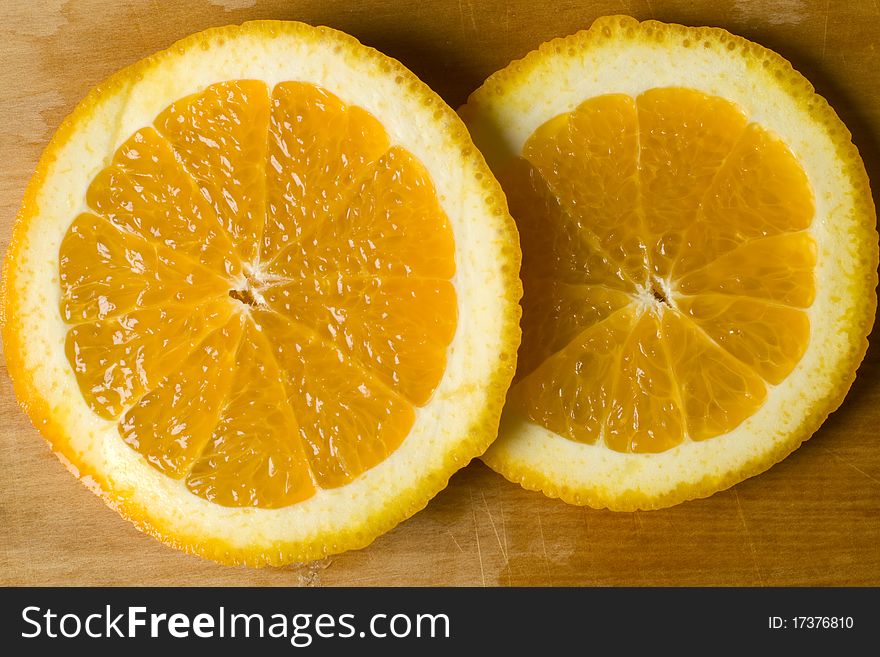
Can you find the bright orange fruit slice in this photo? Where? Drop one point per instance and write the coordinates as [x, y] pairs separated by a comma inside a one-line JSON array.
[[699, 259], [262, 294]]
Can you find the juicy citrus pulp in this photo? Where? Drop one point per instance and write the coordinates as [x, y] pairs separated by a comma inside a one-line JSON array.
[[699, 261], [263, 294], [288, 293], [666, 289]]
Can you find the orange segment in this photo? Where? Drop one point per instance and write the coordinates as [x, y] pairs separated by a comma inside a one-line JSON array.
[[253, 458], [558, 245], [717, 391], [589, 159], [120, 359], [568, 284], [220, 137], [397, 328], [554, 313], [105, 272], [684, 136], [347, 420], [571, 392], [319, 150], [395, 225], [769, 338], [146, 192], [777, 269], [760, 191], [392, 226], [171, 425], [645, 413]]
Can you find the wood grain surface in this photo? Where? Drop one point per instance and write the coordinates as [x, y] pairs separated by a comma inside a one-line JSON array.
[[814, 519]]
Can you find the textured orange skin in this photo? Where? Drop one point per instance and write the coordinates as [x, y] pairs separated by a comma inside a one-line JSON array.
[[625, 27], [480, 435]]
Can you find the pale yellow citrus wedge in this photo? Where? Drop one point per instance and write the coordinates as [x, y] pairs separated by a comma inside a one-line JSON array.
[[262, 294], [699, 261]]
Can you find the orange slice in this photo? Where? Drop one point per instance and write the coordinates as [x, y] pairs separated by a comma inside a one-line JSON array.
[[699, 261], [262, 294]]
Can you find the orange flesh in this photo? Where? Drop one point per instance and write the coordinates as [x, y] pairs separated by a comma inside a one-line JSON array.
[[260, 294], [666, 269]]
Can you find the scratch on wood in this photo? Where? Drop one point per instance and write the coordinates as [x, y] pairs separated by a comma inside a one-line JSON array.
[[360, 580], [742, 519], [825, 33], [492, 522], [847, 463], [543, 544], [455, 541], [477, 536], [650, 8], [503, 525]]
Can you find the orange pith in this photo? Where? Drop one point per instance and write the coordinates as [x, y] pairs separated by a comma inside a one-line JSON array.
[[260, 294], [666, 269]]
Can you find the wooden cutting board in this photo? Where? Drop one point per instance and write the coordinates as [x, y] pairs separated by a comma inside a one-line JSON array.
[[813, 519]]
